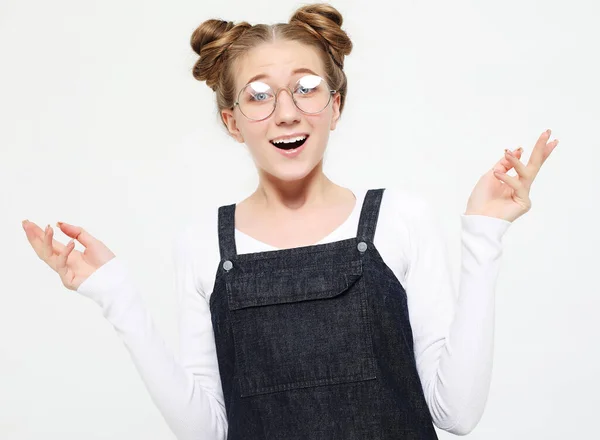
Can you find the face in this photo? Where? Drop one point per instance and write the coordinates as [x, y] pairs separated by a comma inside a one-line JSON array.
[[282, 64]]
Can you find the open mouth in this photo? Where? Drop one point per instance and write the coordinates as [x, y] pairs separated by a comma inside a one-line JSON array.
[[290, 144]]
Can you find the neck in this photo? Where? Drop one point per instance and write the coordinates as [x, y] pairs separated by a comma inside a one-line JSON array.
[[278, 198]]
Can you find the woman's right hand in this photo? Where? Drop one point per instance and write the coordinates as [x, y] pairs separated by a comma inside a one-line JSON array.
[[73, 267]]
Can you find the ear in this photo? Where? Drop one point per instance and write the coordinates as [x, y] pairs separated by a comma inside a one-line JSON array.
[[229, 120], [335, 116]]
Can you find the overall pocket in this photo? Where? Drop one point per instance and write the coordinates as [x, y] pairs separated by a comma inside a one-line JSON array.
[[300, 327]]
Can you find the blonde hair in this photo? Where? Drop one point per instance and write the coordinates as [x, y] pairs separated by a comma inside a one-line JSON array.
[[219, 43]]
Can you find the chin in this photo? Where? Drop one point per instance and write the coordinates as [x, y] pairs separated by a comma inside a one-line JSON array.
[[291, 173]]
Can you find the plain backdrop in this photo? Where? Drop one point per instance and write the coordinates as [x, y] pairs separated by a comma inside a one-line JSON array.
[[102, 125]]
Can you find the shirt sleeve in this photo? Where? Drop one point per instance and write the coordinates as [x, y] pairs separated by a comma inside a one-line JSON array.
[[454, 334], [185, 392]]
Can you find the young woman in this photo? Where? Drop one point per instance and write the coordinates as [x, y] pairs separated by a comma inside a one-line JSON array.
[[310, 310]]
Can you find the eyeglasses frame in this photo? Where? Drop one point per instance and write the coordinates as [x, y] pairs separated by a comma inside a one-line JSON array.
[[237, 102]]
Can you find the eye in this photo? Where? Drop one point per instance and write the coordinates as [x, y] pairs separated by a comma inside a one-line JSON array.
[[308, 84], [261, 96], [304, 90], [257, 92]]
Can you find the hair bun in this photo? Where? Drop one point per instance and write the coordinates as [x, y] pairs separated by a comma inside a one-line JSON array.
[[210, 41], [324, 21]]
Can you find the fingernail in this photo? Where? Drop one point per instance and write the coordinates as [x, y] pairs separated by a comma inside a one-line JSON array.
[[59, 224]]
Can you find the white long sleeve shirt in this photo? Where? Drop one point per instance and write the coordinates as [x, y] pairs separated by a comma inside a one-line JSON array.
[[453, 334]]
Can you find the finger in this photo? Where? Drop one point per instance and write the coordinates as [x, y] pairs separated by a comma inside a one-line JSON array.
[[504, 165], [541, 151], [519, 167], [514, 183], [78, 233], [47, 250], [34, 232], [47, 243], [61, 261], [35, 236]]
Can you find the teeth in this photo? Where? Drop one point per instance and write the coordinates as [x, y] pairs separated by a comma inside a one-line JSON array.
[[289, 141]]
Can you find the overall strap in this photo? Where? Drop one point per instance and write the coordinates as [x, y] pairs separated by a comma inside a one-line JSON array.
[[369, 214], [227, 231]]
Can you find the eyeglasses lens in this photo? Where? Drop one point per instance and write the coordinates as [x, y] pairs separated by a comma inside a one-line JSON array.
[[311, 95]]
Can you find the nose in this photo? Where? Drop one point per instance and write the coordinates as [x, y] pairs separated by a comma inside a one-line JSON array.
[[286, 111]]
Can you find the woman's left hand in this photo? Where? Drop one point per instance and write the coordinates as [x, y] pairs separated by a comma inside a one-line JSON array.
[[507, 197]]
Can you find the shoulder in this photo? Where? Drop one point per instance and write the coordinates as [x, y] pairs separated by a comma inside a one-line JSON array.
[[196, 247], [402, 213]]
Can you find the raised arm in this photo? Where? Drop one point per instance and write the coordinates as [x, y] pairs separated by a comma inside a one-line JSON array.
[[187, 392], [454, 337]]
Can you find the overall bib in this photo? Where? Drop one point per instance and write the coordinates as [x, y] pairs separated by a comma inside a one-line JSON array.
[[314, 342]]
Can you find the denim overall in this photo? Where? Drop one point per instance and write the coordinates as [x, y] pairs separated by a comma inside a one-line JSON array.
[[314, 342]]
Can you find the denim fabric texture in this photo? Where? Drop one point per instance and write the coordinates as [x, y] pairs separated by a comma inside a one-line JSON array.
[[314, 342]]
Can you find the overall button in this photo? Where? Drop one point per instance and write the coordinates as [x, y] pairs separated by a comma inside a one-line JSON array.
[[362, 246], [227, 265]]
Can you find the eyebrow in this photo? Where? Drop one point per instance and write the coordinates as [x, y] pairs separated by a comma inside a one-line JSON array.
[[264, 75]]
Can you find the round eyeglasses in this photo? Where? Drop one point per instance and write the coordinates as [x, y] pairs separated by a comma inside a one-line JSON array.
[[257, 100]]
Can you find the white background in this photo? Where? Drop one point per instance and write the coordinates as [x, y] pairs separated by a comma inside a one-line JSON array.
[[103, 125]]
